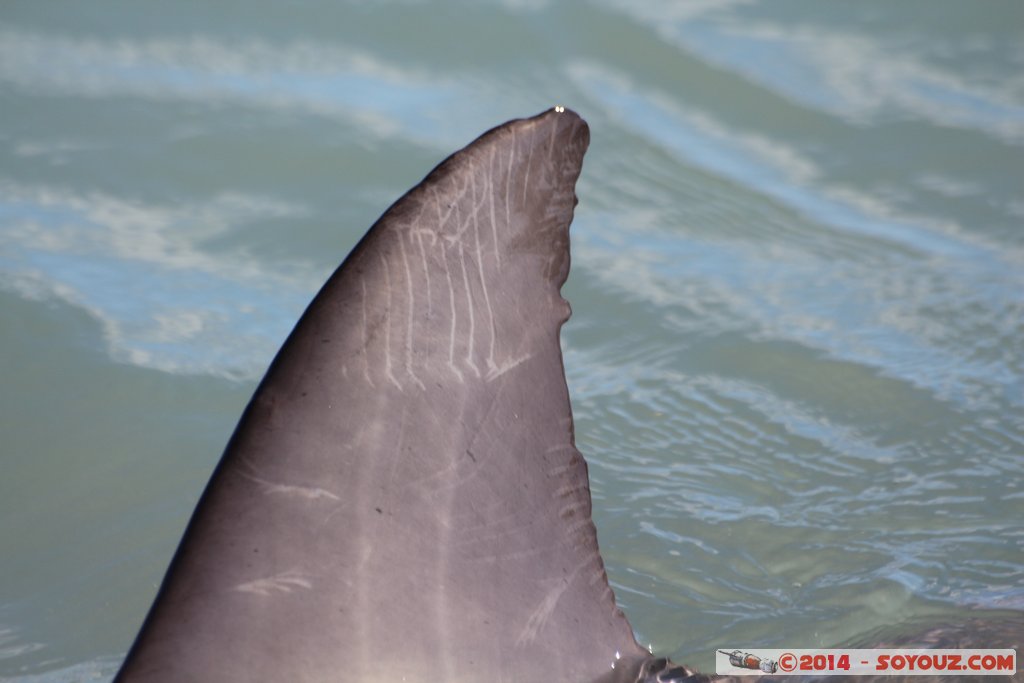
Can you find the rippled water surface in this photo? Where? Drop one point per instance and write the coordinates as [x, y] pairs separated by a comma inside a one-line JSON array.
[[798, 281]]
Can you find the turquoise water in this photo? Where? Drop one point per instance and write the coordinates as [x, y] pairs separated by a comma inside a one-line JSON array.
[[797, 350]]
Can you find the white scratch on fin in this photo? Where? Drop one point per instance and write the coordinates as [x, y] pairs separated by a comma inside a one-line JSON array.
[[543, 611], [469, 308], [526, 178], [561, 470], [451, 303], [497, 371], [285, 582], [491, 365], [307, 492], [387, 325], [426, 269], [494, 221], [441, 220], [508, 180], [409, 318]]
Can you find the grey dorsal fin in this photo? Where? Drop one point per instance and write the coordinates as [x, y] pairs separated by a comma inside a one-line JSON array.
[[402, 499]]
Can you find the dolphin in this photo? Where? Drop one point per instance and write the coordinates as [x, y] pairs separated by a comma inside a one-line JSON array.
[[402, 499]]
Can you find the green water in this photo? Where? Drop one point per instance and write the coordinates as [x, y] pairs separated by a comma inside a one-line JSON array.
[[798, 287]]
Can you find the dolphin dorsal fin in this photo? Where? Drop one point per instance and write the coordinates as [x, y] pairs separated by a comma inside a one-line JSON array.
[[402, 499]]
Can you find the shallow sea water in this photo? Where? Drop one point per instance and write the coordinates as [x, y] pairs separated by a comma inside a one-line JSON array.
[[797, 351]]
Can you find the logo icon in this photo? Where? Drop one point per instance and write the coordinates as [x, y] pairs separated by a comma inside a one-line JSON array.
[[745, 660]]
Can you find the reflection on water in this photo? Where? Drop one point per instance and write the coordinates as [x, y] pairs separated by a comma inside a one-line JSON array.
[[90, 249], [321, 79], [795, 356]]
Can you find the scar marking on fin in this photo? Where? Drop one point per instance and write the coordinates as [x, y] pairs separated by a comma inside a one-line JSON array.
[[498, 371], [426, 268], [307, 492], [508, 180], [285, 582], [387, 325], [543, 611], [409, 340], [491, 365], [472, 319], [526, 178], [571, 489], [570, 509], [454, 312], [491, 194]]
